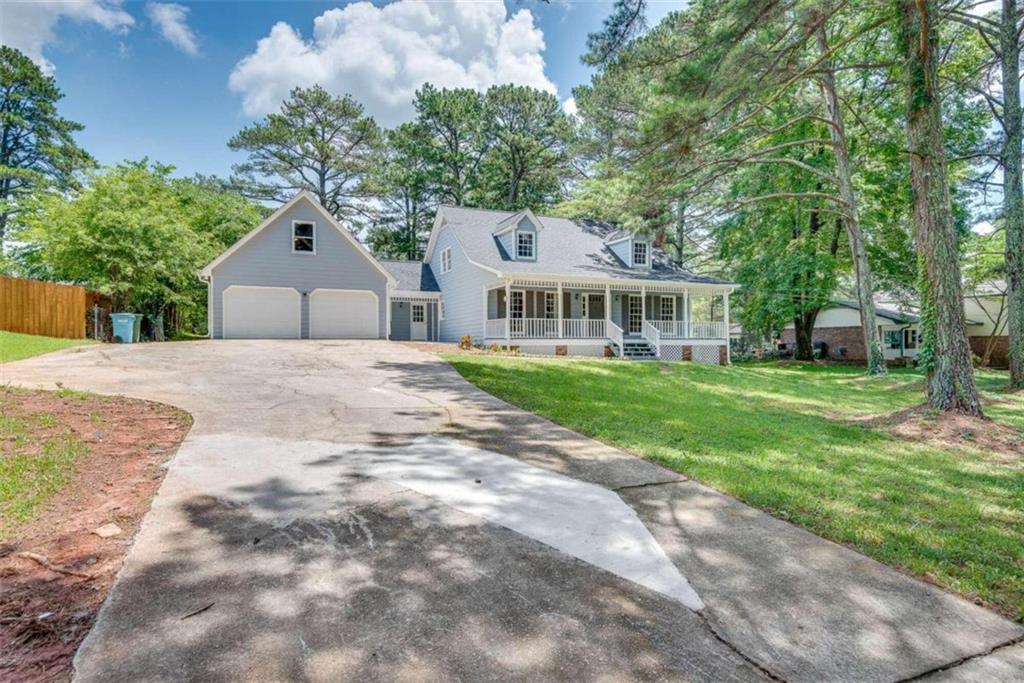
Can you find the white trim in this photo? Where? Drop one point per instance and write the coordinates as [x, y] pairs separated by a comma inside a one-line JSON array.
[[295, 222], [533, 245], [209, 310], [513, 221], [646, 263], [446, 260], [331, 220], [652, 284], [661, 307], [414, 294], [376, 299], [223, 306]]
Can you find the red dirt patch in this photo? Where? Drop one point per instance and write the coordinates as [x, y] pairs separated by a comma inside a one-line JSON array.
[[44, 612], [1001, 443]]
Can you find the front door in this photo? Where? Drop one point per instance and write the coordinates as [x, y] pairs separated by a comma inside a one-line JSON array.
[[517, 311], [636, 314], [418, 325]]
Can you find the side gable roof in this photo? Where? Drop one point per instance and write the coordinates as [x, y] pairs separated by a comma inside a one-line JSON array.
[[412, 276], [567, 248], [331, 220]]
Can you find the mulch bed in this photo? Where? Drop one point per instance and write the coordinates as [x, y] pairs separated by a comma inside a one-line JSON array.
[[55, 571]]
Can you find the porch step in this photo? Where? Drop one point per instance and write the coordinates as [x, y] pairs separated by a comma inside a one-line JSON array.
[[638, 349]]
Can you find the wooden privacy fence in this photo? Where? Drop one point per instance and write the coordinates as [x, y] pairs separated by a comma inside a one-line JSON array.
[[46, 308]]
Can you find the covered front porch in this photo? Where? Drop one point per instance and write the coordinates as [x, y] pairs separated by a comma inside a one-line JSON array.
[[616, 314]]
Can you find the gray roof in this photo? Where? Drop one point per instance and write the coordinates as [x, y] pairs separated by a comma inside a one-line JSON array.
[[883, 309], [413, 276], [564, 247]]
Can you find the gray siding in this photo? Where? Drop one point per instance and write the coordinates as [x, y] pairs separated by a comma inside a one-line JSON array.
[[267, 261], [401, 320], [462, 288]]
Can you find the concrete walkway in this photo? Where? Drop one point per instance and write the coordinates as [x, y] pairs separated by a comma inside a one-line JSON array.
[[355, 510]]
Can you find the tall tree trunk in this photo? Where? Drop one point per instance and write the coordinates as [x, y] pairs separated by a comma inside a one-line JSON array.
[[950, 375], [850, 216], [1013, 192], [803, 329]]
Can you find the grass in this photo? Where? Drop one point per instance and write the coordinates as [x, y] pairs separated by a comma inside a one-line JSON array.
[[782, 437], [15, 346], [29, 479]]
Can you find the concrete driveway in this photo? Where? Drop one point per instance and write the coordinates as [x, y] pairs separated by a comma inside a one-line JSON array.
[[355, 510]]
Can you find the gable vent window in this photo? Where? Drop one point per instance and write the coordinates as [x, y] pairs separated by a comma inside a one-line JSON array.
[[639, 253], [446, 260], [303, 237], [524, 245]]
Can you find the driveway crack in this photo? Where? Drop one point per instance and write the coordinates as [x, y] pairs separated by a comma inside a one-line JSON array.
[[963, 660], [703, 614]]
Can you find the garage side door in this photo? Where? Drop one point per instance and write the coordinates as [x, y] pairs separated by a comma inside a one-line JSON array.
[[343, 314], [262, 313]]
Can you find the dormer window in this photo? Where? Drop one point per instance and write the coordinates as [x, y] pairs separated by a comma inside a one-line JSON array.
[[303, 237], [525, 245], [640, 253]]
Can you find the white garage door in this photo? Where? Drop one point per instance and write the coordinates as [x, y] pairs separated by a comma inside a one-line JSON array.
[[343, 314], [262, 313]]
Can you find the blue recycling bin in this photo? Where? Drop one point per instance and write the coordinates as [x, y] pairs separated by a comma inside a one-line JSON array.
[[125, 326]]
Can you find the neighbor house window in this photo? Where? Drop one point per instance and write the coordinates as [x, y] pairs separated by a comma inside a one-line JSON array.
[[910, 339], [892, 338], [303, 237], [446, 260], [524, 245], [639, 253], [668, 308]]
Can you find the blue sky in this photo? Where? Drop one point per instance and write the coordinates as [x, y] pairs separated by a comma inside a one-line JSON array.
[[174, 81]]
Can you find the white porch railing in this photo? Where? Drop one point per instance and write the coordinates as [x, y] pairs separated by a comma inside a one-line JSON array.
[[534, 328], [583, 328], [615, 335], [653, 336], [683, 329], [495, 328]]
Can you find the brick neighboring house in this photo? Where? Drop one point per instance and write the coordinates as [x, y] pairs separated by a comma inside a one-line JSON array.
[[838, 327]]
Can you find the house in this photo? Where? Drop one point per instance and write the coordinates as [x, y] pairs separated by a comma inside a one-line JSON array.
[[837, 327], [545, 285]]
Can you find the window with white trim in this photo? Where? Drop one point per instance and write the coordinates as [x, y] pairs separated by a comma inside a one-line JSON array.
[[550, 305], [640, 253], [303, 237], [668, 308], [419, 313], [446, 260], [525, 244]]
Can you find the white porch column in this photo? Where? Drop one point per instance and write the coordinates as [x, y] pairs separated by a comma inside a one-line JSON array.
[[728, 350], [686, 313], [607, 307], [561, 323], [508, 310], [643, 306]]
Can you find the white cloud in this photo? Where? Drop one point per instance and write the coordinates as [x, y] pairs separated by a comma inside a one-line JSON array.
[[172, 21], [569, 106], [381, 55], [29, 26]]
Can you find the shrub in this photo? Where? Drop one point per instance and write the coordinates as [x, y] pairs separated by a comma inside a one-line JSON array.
[[466, 342]]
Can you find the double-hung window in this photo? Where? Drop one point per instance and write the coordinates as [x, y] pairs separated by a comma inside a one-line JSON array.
[[668, 308], [639, 253], [525, 245], [550, 305], [303, 237]]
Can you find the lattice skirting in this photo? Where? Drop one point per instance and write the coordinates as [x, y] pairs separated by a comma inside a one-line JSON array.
[[709, 355], [671, 353]]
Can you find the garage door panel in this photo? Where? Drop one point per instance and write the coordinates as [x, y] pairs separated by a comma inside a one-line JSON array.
[[262, 313], [343, 314]]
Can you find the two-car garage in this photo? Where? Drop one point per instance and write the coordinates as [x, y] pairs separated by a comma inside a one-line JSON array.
[[257, 312]]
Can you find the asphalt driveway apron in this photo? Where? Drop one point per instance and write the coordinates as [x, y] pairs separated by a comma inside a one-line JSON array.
[[355, 510]]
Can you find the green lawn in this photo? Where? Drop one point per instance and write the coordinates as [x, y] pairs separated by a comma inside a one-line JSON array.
[[31, 469], [15, 346], [782, 437]]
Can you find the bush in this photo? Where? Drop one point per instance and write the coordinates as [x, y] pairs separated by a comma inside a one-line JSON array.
[[466, 342]]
